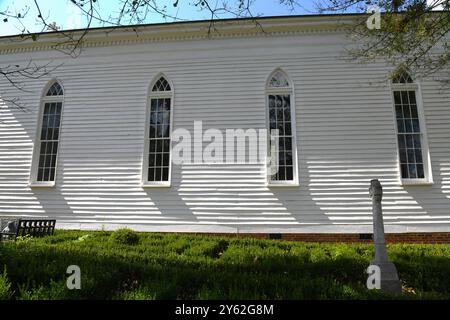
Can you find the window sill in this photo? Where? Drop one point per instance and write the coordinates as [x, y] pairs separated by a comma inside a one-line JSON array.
[[42, 184], [283, 184], [156, 185], [416, 182]]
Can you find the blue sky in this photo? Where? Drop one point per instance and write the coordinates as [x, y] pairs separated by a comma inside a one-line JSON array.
[[67, 15]]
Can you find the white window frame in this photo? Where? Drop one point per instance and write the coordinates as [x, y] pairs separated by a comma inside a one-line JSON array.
[[282, 91], [427, 169], [37, 141], [155, 95]]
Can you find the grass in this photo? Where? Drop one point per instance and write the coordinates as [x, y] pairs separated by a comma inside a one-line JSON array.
[[175, 266]]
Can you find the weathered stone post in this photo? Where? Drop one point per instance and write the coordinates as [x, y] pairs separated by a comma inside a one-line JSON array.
[[389, 280]]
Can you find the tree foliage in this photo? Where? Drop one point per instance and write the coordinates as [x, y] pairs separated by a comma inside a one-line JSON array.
[[413, 35]]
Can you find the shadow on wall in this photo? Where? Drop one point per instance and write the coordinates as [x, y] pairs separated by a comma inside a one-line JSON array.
[[236, 196], [433, 198], [95, 190], [340, 189], [445, 179], [107, 193], [17, 199]]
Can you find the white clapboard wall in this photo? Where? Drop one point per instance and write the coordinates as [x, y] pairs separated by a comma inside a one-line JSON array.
[[345, 137]]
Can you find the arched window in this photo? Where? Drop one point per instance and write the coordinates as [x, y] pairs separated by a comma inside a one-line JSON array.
[[157, 160], [402, 77], [281, 122], [414, 156], [48, 135]]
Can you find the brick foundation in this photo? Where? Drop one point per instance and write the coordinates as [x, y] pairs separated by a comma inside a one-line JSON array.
[[435, 237]]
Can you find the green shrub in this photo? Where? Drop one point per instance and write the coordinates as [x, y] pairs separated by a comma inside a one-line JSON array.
[[179, 266], [5, 286], [84, 237], [125, 236], [25, 238]]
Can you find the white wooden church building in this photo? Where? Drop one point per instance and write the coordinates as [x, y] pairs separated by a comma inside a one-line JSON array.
[[94, 146]]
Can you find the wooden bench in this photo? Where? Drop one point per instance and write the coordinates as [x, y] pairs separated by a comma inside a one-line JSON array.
[[32, 227]]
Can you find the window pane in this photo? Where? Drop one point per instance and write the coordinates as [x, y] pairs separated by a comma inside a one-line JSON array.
[[52, 173], [404, 170], [159, 138], [281, 173], [47, 162], [409, 135], [151, 159], [41, 160], [403, 158], [415, 125], [280, 127], [153, 103], [401, 125], [165, 129], [287, 129], [281, 144], [401, 141], [55, 134], [273, 117], [166, 145], [46, 176], [409, 140], [412, 97], [158, 145], [420, 172], [165, 174], [278, 80], [416, 139], [418, 154], [287, 114], [158, 174], [289, 158], [399, 111], [161, 85], [397, 99], [281, 158], [40, 174], [405, 99], [288, 144], [166, 159], [151, 174], [48, 151], [152, 131], [289, 173], [152, 145], [408, 125], [158, 160], [411, 157], [279, 117], [414, 113], [406, 112], [412, 170], [55, 90]]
